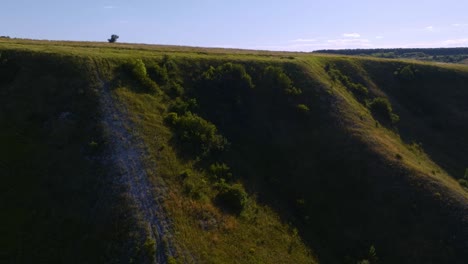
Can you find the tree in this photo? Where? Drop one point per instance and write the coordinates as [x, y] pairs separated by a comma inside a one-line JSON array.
[[113, 38]]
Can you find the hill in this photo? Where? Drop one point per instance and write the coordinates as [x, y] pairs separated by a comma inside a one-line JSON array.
[[446, 55], [122, 153]]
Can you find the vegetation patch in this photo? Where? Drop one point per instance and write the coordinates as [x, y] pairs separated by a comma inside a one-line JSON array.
[[231, 197], [382, 109], [359, 90], [195, 135]]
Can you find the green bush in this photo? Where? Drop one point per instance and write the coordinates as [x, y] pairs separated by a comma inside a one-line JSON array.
[[303, 108], [274, 78], [181, 107], [167, 75], [171, 68], [371, 257], [232, 197], [158, 74], [382, 108], [220, 171], [463, 182], [172, 260], [185, 174], [195, 135], [357, 89], [406, 73], [137, 70], [225, 93], [150, 248], [227, 83], [173, 89]]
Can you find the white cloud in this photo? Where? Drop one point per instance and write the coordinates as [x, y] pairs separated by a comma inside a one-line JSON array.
[[429, 28], [351, 35], [306, 45], [349, 43], [455, 42], [450, 43], [459, 25]]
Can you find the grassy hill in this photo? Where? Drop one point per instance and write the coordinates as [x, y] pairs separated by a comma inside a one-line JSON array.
[[121, 153]]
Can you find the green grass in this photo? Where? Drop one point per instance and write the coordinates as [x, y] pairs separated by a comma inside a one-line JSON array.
[[326, 178], [388, 141], [210, 235]]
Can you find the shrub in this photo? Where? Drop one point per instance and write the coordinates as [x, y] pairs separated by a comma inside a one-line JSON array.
[[226, 82], [137, 69], [181, 107], [167, 75], [357, 89], [158, 74], [225, 92], [463, 182], [303, 108], [171, 68], [196, 135], [220, 171], [274, 78], [172, 260], [173, 89], [406, 73], [382, 108], [232, 197], [150, 248], [185, 174], [371, 257]]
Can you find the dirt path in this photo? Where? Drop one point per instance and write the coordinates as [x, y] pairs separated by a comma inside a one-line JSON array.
[[126, 156]]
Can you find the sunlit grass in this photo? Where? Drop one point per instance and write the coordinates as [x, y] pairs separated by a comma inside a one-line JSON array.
[[202, 230]]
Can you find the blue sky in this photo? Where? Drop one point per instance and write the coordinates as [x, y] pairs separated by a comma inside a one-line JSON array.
[[296, 25]]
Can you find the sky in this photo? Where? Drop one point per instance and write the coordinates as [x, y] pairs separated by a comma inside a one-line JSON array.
[[289, 25]]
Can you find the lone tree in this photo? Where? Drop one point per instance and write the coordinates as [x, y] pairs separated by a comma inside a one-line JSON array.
[[113, 38]]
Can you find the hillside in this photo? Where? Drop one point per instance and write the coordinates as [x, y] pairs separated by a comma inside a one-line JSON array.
[[120, 153]]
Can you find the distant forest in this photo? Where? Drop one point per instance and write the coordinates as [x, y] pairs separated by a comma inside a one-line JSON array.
[[449, 55]]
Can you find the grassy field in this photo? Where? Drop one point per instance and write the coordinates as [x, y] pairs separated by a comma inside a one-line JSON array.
[[268, 157]]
